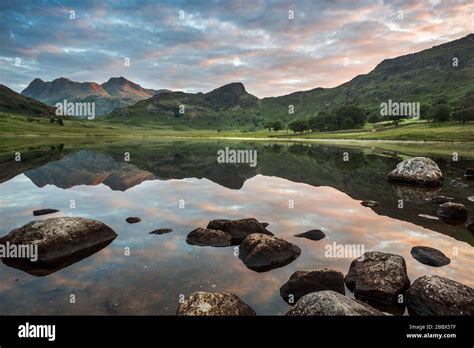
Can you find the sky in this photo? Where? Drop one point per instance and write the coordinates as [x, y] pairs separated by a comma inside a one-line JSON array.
[[272, 47]]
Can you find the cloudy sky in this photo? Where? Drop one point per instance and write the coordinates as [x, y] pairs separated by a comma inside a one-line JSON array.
[[273, 47]]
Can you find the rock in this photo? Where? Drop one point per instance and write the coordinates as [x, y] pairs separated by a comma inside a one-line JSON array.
[[457, 183], [452, 211], [304, 282], [61, 242], [264, 224], [470, 224], [161, 231], [435, 295], [441, 199], [44, 211], [207, 304], [312, 234], [208, 237], [426, 216], [377, 277], [330, 303], [239, 229], [369, 204], [469, 173], [429, 256], [418, 170], [261, 252], [133, 220], [470, 198]]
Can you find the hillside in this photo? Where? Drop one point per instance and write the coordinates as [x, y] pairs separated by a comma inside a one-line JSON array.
[[418, 77], [224, 105], [116, 92], [15, 103]]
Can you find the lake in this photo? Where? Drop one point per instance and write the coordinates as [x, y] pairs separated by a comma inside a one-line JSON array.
[[178, 184]]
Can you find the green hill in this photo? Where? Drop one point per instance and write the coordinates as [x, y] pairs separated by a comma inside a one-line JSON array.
[[15, 103]]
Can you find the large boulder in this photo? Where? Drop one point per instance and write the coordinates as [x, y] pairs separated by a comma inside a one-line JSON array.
[[429, 256], [304, 282], [435, 295], [208, 237], [239, 229], [60, 242], [208, 304], [330, 303], [377, 277], [418, 170], [261, 252]]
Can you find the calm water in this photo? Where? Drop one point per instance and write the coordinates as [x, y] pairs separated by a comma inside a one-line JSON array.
[[326, 192]]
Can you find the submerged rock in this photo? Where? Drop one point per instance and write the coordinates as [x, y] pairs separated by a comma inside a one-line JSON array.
[[369, 204], [426, 216], [208, 237], [418, 170], [61, 241], [239, 229], [452, 211], [470, 224], [441, 199], [44, 211], [304, 282], [378, 277], [133, 220], [161, 231], [457, 183], [429, 256], [261, 253], [207, 304], [330, 303], [435, 295], [469, 173], [312, 234]]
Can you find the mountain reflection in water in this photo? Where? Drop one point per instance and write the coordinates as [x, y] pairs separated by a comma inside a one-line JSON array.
[[326, 192]]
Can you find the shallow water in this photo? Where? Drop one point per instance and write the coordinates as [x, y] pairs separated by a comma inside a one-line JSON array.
[[325, 190]]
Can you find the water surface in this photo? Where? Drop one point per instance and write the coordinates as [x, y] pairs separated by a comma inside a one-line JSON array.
[[325, 192]]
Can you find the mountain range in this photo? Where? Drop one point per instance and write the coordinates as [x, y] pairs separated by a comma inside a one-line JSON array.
[[116, 92], [445, 70]]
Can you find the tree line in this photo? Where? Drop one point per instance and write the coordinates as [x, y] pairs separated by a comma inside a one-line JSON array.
[[353, 116]]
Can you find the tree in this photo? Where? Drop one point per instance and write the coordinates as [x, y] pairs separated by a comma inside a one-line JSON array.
[[374, 118], [350, 116], [298, 126], [440, 113], [464, 115], [277, 125], [424, 111]]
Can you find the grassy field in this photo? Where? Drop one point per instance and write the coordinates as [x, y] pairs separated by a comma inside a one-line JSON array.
[[14, 125]]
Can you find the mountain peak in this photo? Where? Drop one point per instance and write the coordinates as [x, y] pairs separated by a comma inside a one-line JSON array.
[[123, 88], [234, 88], [230, 95]]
